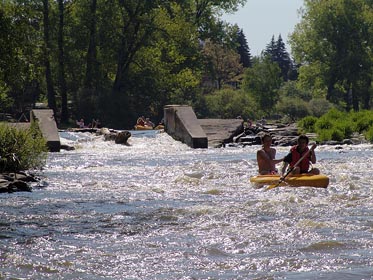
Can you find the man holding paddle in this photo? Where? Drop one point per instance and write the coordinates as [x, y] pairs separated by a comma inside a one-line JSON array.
[[300, 157]]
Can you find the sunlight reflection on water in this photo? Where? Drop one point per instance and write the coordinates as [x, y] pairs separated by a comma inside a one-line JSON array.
[[160, 210]]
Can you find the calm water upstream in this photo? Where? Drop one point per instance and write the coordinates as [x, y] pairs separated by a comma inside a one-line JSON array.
[[160, 210]]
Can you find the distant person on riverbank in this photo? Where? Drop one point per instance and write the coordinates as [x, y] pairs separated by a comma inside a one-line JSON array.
[[296, 153], [266, 157], [80, 123]]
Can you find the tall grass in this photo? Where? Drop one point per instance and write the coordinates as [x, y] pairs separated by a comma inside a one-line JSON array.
[[21, 149]]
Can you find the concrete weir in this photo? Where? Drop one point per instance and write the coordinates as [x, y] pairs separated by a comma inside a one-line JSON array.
[[182, 124], [48, 127]]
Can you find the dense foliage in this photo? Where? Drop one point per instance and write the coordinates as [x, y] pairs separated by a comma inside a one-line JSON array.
[[21, 149], [111, 60], [332, 43], [115, 60]]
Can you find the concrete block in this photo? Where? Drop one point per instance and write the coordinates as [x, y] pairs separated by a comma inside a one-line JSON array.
[[182, 124], [48, 128]]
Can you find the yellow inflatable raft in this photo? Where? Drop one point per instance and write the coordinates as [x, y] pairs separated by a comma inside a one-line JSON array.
[[307, 180], [143, 127], [146, 127]]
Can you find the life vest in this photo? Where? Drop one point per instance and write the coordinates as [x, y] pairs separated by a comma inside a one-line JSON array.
[[304, 165]]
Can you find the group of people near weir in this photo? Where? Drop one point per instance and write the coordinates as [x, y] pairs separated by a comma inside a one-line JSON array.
[[94, 124], [144, 122], [266, 158]]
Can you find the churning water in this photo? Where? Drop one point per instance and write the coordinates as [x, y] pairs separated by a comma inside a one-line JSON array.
[[158, 209]]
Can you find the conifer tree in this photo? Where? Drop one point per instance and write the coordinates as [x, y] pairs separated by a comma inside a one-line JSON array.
[[270, 49], [243, 49], [282, 58], [276, 52]]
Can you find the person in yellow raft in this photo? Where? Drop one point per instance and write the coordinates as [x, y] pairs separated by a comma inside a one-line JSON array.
[[266, 157], [296, 153]]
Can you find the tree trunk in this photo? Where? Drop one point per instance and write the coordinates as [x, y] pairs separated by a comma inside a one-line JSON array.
[[61, 64], [355, 99], [366, 94], [91, 71], [47, 47], [135, 34], [87, 100], [127, 51]]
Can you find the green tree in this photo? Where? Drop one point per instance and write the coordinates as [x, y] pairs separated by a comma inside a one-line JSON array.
[[333, 40], [21, 68], [262, 82], [276, 51], [88, 95], [61, 62], [224, 63], [108, 59], [243, 49], [229, 103], [47, 56]]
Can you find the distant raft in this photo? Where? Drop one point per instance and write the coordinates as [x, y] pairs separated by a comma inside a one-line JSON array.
[[301, 180], [147, 127], [143, 127]]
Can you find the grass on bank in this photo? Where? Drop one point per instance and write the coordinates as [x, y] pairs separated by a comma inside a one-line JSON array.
[[21, 149], [337, 125]]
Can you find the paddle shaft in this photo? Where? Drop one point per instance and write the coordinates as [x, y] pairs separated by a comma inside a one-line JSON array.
[[292, 168]]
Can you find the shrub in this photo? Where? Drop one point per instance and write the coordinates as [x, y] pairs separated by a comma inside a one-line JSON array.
[[345, 126], [323, 123], [369, 134], [337, 135], [335, 114], [294, 107], [21, 149], [363, 124], [307, 124], [228, 103], [338, 125], [324, 135], [332, 134], [319, 106]]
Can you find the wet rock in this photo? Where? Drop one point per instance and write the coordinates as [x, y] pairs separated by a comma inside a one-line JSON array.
[[122, 137], [119, 137], [282, 134], [67, 147], [16, 182], [19, 186], [110, 136]]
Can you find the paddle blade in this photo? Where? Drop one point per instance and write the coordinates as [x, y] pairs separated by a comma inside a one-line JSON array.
[[282, 179], [273, 186]]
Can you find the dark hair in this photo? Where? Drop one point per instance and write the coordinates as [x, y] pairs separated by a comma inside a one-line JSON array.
[[264, 136], [303, 137]]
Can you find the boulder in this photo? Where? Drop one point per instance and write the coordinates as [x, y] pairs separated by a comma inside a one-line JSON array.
[[16, 182], [122, 137]]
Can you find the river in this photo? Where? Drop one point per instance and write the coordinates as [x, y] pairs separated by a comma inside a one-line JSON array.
[[158, 209]]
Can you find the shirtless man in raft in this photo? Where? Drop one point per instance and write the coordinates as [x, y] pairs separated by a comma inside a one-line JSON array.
[[266, 157]]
